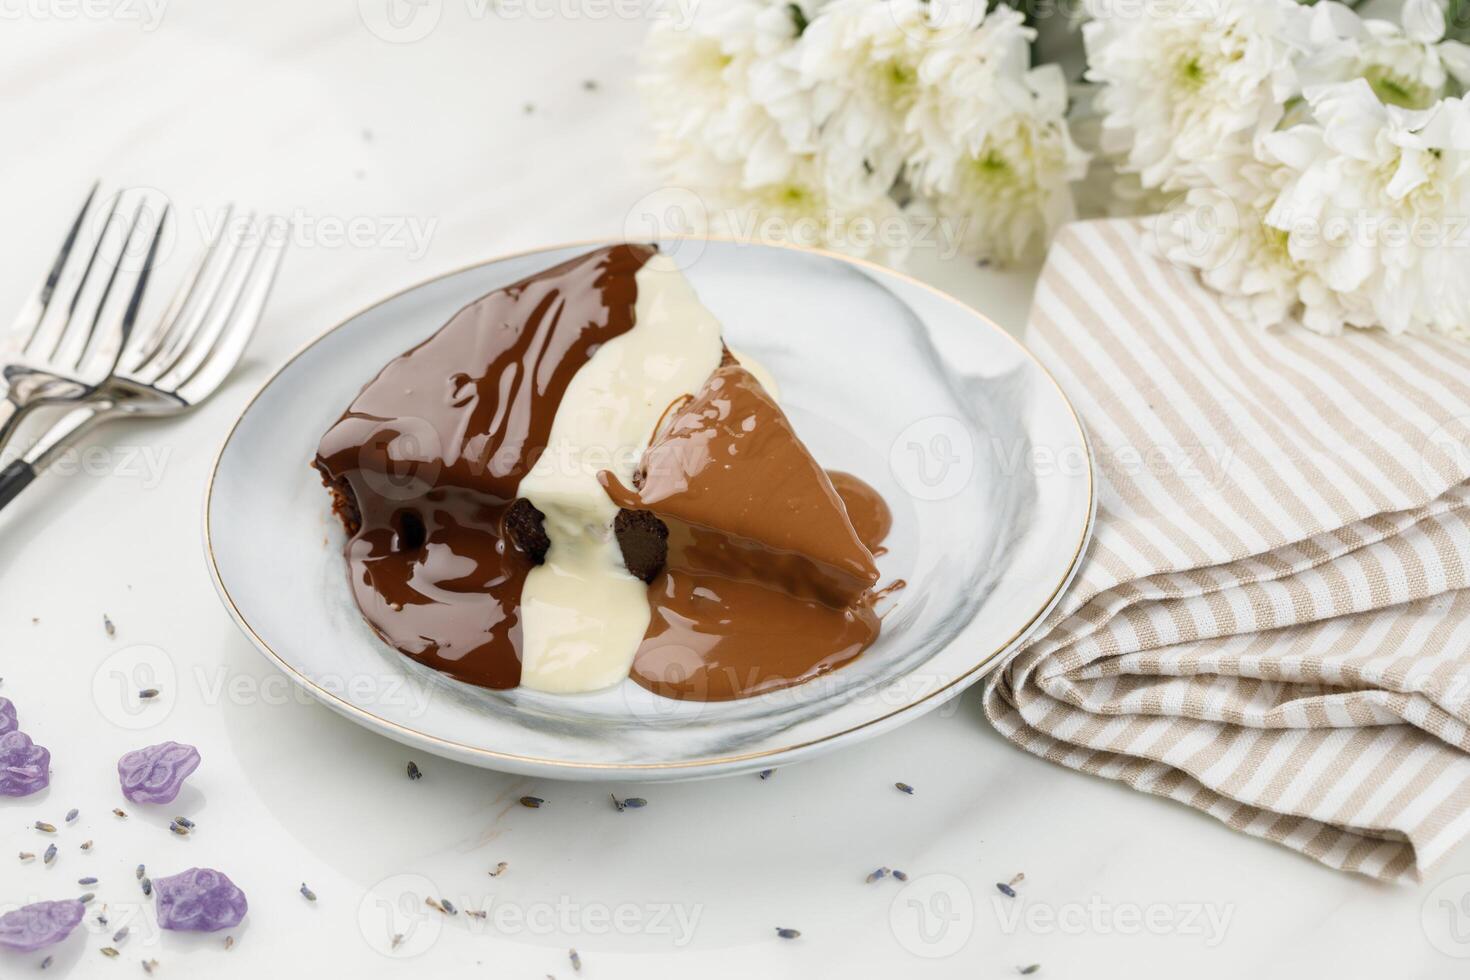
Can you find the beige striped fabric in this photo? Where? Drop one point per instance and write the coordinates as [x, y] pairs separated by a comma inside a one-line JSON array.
[[1272, 623]]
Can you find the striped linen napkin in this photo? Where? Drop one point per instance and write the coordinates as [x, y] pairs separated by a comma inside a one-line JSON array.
[[1272, 623]]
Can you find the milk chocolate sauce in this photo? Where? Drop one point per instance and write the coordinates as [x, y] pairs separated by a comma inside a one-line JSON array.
[[866, 509], [767, 583], [428, 457]]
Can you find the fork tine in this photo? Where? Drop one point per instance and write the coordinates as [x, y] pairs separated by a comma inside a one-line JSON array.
[[145, 346], [221, 308], [193, 312], [103, 353], [86, 335], [48, 336], [31, 315], [243, 319]]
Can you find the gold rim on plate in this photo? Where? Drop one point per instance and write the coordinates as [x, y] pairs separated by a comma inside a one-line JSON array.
[[346, 707]]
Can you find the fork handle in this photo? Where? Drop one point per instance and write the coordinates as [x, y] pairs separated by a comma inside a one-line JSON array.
[[15, 478]]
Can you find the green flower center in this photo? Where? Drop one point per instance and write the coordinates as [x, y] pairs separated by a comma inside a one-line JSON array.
[[1393, 89]]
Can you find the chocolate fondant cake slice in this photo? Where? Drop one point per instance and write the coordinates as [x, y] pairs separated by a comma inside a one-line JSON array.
[[729, 461], [765, 581]]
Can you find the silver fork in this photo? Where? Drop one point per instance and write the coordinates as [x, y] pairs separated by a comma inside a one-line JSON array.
[[68, 338], [186, 356]]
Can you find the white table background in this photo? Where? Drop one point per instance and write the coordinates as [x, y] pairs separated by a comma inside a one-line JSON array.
[[294, 105]]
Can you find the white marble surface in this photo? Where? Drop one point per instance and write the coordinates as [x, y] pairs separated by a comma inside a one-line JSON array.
[[296, 106]]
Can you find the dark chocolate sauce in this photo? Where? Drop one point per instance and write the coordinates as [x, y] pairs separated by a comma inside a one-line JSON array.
[[432, 450]]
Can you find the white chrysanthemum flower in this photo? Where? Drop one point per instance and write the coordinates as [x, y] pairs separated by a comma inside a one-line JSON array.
[[1010, 183], [966, 84], [1375, 205], [808, 207], [1189, 80], [1409, 66], [718, 83], [862, 60], [1220, 230]]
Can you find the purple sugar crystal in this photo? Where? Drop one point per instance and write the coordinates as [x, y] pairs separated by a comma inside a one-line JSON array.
[[32, 926], [7, 716], [157, 773], [199, 900], [25, 767]]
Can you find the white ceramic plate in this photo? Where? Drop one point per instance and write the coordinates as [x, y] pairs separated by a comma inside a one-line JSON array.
[[979, 454]]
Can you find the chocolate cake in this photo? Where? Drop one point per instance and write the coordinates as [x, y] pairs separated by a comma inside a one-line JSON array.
[[574, 478]]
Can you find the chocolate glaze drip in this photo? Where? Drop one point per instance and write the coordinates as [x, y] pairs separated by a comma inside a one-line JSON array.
[[426, 461], [866, 509], [766, 582]]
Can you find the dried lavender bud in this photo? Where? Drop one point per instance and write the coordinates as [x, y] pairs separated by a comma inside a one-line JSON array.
[[87, 898], [147, 886], [72, 814], [140, 872], [766, 773], [576, 960], [118, 813], [107, 625], [31, 927], [534, 802], [120, 935], [199, 900], [148, 694], [1026, 971], [307, 893], [89, 880], [878, 875], [499, 870], [413, 771], [1005, 889], [155, 774], [85, 845], [904, 788], [108, 952], [785, 933], [184, 822], [45, 827], [900, 875], [50, 854]]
